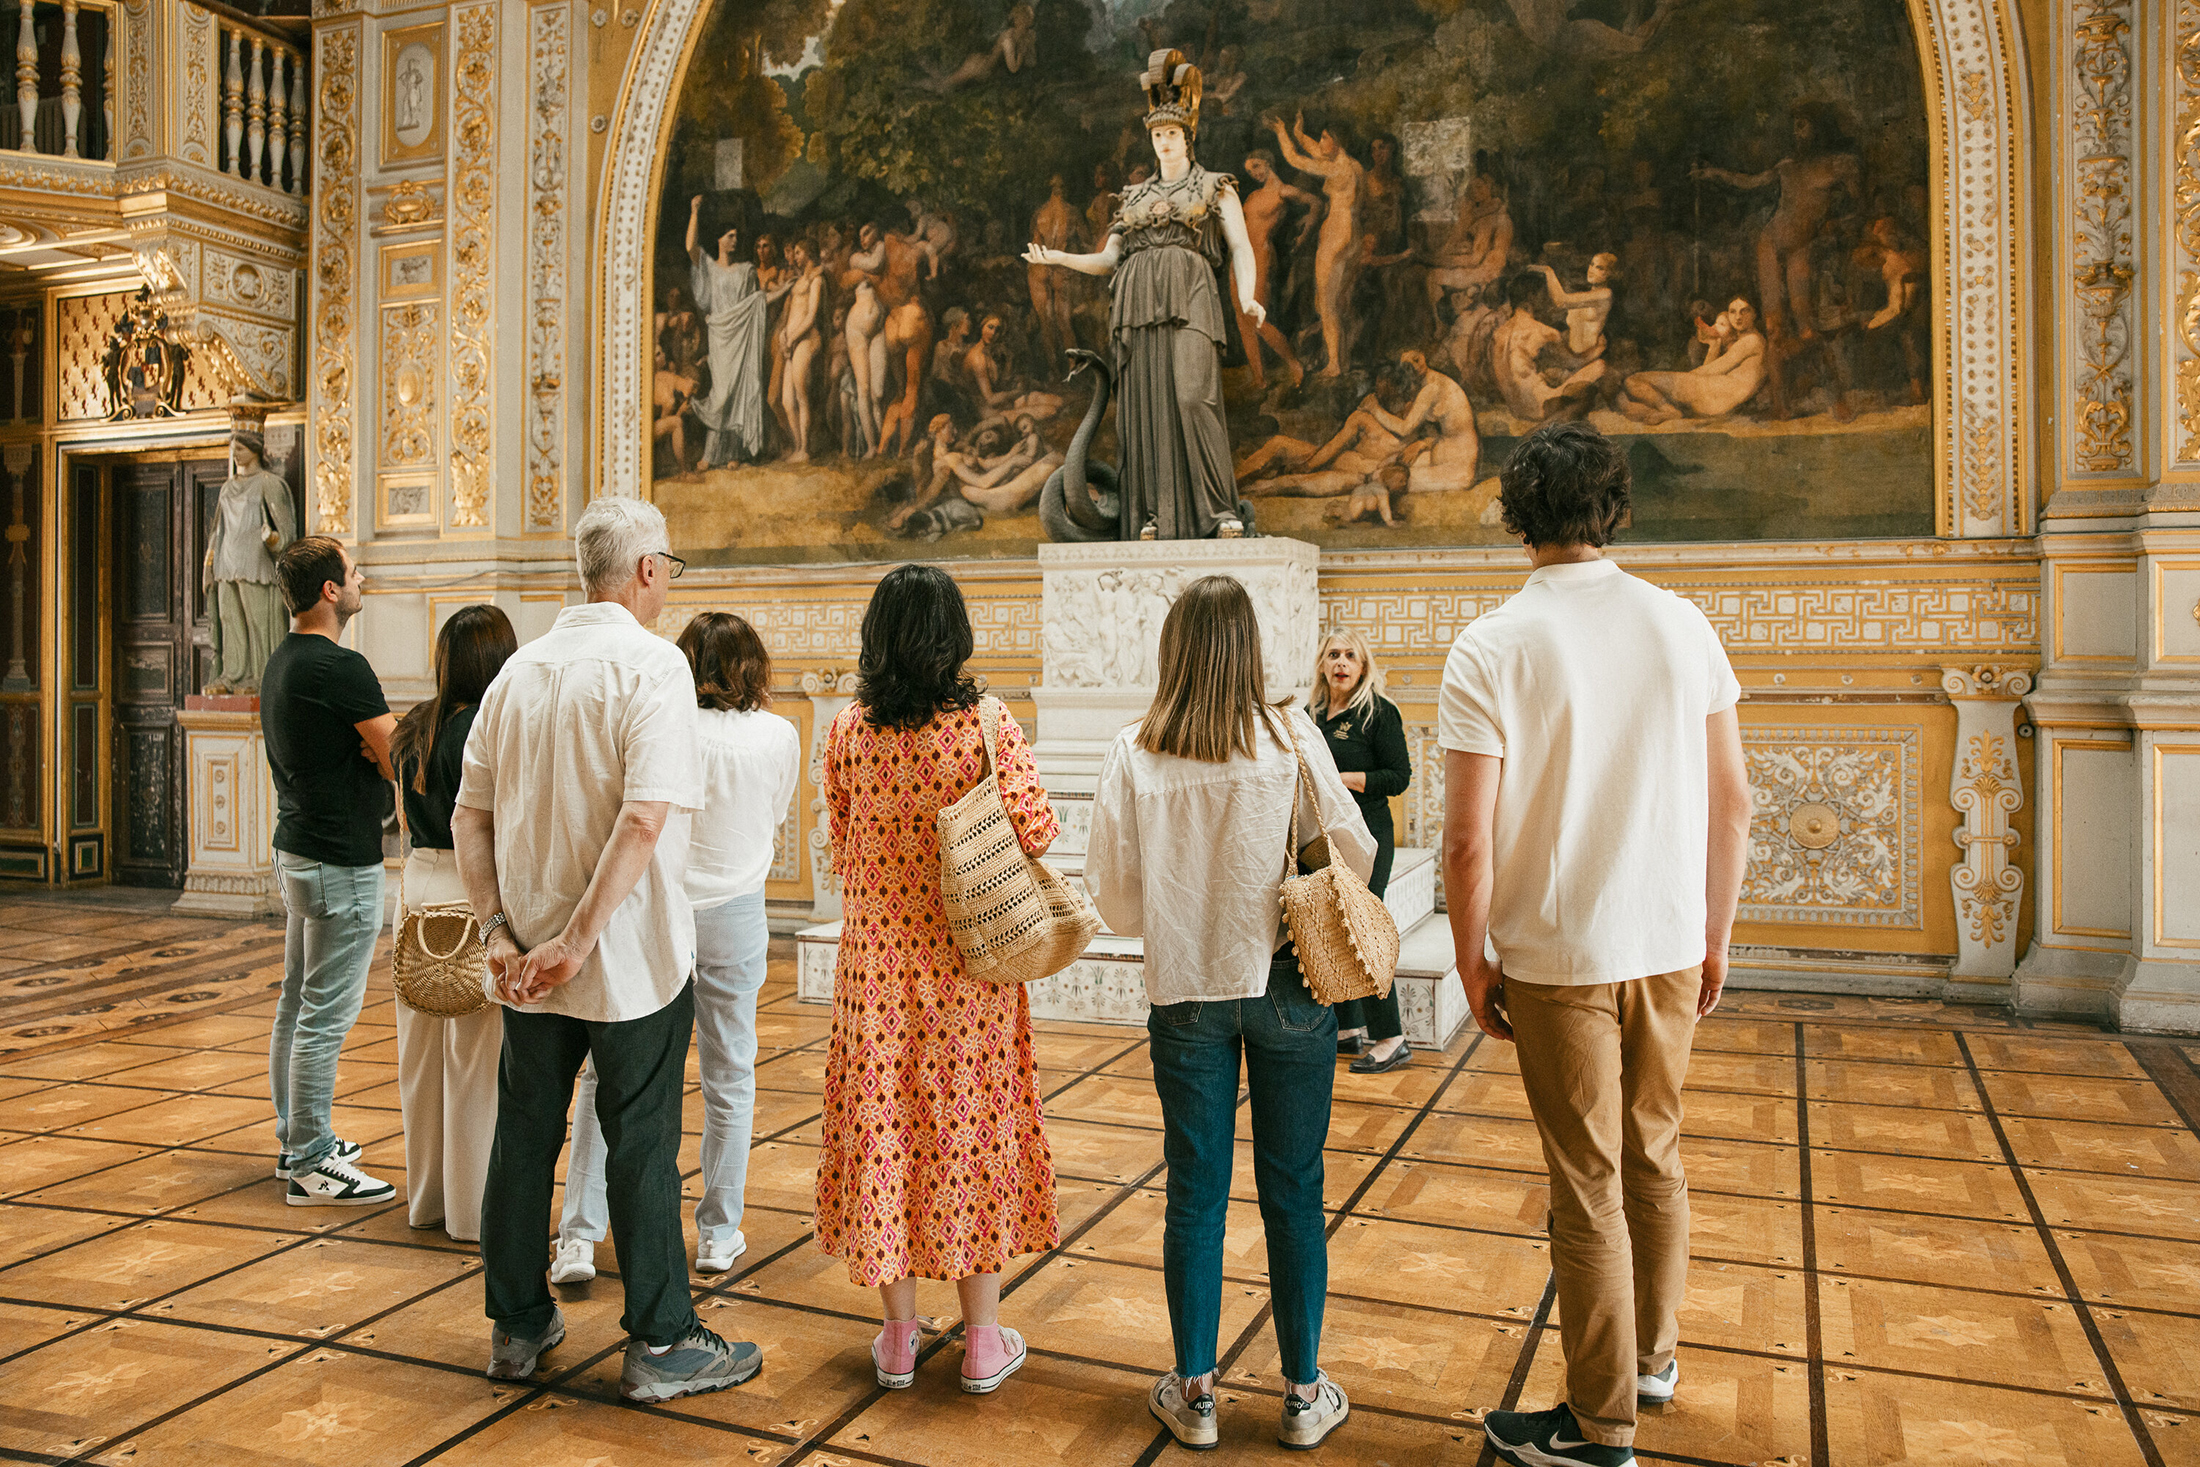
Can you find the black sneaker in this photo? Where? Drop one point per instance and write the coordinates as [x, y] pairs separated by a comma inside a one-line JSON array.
[[336, 1183], [345, 1151], [1549, 1439]]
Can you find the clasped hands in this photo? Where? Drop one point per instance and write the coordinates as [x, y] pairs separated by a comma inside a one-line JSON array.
[[521, 976]]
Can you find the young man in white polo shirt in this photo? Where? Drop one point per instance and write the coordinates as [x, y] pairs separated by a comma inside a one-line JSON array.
[[1595, 816]]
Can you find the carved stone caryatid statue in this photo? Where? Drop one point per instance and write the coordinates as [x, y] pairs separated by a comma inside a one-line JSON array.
[[253, 522], [1167, 326]]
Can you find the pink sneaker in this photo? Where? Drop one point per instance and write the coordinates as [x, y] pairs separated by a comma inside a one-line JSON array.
[[894, 1354], [989, 1357]]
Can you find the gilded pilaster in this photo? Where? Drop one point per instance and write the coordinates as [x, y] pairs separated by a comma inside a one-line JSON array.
[[549, 261], [335, 282], [2101, 188], [2184, 200], [473, 262]]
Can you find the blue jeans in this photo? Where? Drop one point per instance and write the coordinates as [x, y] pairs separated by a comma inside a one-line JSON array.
[[1290, 1048], [731, 941], [335, 915]]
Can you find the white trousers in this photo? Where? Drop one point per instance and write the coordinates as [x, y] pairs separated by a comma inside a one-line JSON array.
[[446, 1082], [731, 944]]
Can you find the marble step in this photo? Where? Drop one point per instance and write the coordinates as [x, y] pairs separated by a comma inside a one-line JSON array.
[[1108, 984]]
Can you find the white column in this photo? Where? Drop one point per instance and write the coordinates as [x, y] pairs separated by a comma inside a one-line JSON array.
[[1984, 787]]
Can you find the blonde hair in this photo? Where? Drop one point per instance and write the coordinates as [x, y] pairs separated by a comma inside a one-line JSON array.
[[1364, 693], [1210, 695]]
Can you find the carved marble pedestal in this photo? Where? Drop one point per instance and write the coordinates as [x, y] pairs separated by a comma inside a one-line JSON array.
[[1101, 635], [230, 811]]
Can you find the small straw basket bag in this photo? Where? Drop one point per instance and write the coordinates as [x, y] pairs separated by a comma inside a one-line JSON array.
[[1346, 937], [437, 963], [1014, 918]]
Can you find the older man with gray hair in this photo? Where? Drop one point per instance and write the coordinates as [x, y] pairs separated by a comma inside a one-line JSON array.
[[571, 831]]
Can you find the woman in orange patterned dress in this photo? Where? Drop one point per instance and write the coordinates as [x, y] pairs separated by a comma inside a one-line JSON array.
[[934, 1161]]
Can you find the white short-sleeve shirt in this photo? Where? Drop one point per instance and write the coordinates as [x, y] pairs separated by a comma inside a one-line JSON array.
[[595, 712], [751, 761], [1593, 686]]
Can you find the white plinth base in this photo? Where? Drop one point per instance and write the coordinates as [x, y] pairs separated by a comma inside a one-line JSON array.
[[231, 815]]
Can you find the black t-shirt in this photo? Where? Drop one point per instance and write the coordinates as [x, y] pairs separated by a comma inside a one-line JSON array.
[[1372, 742], [329, 797], [428, 816]]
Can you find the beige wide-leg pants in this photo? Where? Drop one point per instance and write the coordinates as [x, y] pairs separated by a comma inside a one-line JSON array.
[[1603, 1064], [446, 1082]]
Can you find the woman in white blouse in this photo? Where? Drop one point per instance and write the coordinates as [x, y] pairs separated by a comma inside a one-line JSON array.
[[1189, 831], [751, 759]]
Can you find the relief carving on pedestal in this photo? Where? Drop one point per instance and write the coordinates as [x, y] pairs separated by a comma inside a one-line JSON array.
[[1103, 625]]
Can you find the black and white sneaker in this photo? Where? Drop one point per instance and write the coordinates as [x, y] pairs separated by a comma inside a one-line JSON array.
[[1657, 1390], [345, 1151], [337, 1184], [1549, 1439]]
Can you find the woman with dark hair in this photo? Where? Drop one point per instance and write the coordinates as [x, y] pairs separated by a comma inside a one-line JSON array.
[[1190, 839], [751, 760], [934, 1160], [446, 1068]]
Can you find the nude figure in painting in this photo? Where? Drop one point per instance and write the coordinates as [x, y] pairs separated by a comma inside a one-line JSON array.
[[1514, 351], [1586, 310], [1264, 209], [1730, 376], [1337, 247], [1353, 453], [1053, 227], [1451, 462], [801, 338], [908, 339], [1013, 48], [1479, 244], [1821, 163], [993, 389]]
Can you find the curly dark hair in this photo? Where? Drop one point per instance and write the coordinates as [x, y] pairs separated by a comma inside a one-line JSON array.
[[1566, 484], [916, 638]]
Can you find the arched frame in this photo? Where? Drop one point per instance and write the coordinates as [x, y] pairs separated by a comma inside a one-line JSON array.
[[1976, 99]]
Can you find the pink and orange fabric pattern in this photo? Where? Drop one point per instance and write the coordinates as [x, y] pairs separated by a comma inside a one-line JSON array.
[[935, 1160]]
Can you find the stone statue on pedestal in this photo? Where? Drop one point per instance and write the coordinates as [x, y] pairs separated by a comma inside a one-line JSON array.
[[1166, 328], [253, 522]]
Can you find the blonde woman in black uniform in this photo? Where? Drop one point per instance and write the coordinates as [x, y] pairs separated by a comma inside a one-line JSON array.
[[1366, 736]]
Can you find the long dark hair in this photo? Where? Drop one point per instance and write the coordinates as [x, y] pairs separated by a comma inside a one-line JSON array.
[[469, 652], [916, 638]]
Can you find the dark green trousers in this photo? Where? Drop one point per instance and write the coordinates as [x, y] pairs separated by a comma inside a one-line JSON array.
[[641, 1069]]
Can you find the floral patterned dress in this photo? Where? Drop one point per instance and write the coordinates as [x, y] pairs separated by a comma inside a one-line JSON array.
[[934, 1160]]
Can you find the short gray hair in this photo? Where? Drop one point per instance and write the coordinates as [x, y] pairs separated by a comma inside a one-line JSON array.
[[615, 532]]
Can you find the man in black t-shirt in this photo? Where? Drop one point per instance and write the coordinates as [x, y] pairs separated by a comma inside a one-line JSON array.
[[328, 747]]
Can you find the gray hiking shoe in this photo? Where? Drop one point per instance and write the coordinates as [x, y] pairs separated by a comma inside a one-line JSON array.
[[699, 1362], [512, 1358]]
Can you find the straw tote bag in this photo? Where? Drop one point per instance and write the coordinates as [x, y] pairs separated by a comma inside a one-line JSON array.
[[1346, 937], [437, 962], [1014, 918]]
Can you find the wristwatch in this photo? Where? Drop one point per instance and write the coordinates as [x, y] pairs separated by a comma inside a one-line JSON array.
[[492, 925]]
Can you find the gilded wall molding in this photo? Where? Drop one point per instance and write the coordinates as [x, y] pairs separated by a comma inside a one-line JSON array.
[[1833, 836], [1985, 789], [549, 58], [196, 40], [2099, 208], [335, 285], [473, 262], [405, 369], [2185, 235], [136, 31]]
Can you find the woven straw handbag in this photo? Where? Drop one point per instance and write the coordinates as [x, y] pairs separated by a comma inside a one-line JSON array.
[[437, 962], [1014, 919], [1346, 937]]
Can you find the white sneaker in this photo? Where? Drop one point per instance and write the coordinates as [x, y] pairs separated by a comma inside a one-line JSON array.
[[1190, 1418], [1307, 1423], [1657, 1390], [574, 1262], [717, 1257], [334, 1183]]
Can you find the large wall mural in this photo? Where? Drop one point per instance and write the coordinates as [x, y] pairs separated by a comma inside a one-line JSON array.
[[1702, 226]]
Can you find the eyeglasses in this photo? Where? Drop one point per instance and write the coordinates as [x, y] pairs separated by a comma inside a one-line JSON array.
[[675, 562]]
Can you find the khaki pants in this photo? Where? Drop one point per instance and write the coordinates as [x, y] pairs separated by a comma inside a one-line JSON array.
[[1603, 1065]]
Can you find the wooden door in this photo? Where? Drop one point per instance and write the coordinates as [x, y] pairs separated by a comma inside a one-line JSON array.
[[159, 541]]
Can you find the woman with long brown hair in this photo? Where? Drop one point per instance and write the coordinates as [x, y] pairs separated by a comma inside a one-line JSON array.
[[933, 1161], [1190, 831], [446, 1068], [752, 759]]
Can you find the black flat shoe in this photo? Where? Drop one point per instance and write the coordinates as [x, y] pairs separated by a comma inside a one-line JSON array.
[[1367, 1064], [1355, 1046]]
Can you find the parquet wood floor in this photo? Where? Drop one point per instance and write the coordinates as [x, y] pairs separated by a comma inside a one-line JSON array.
[[1923, 1233]]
